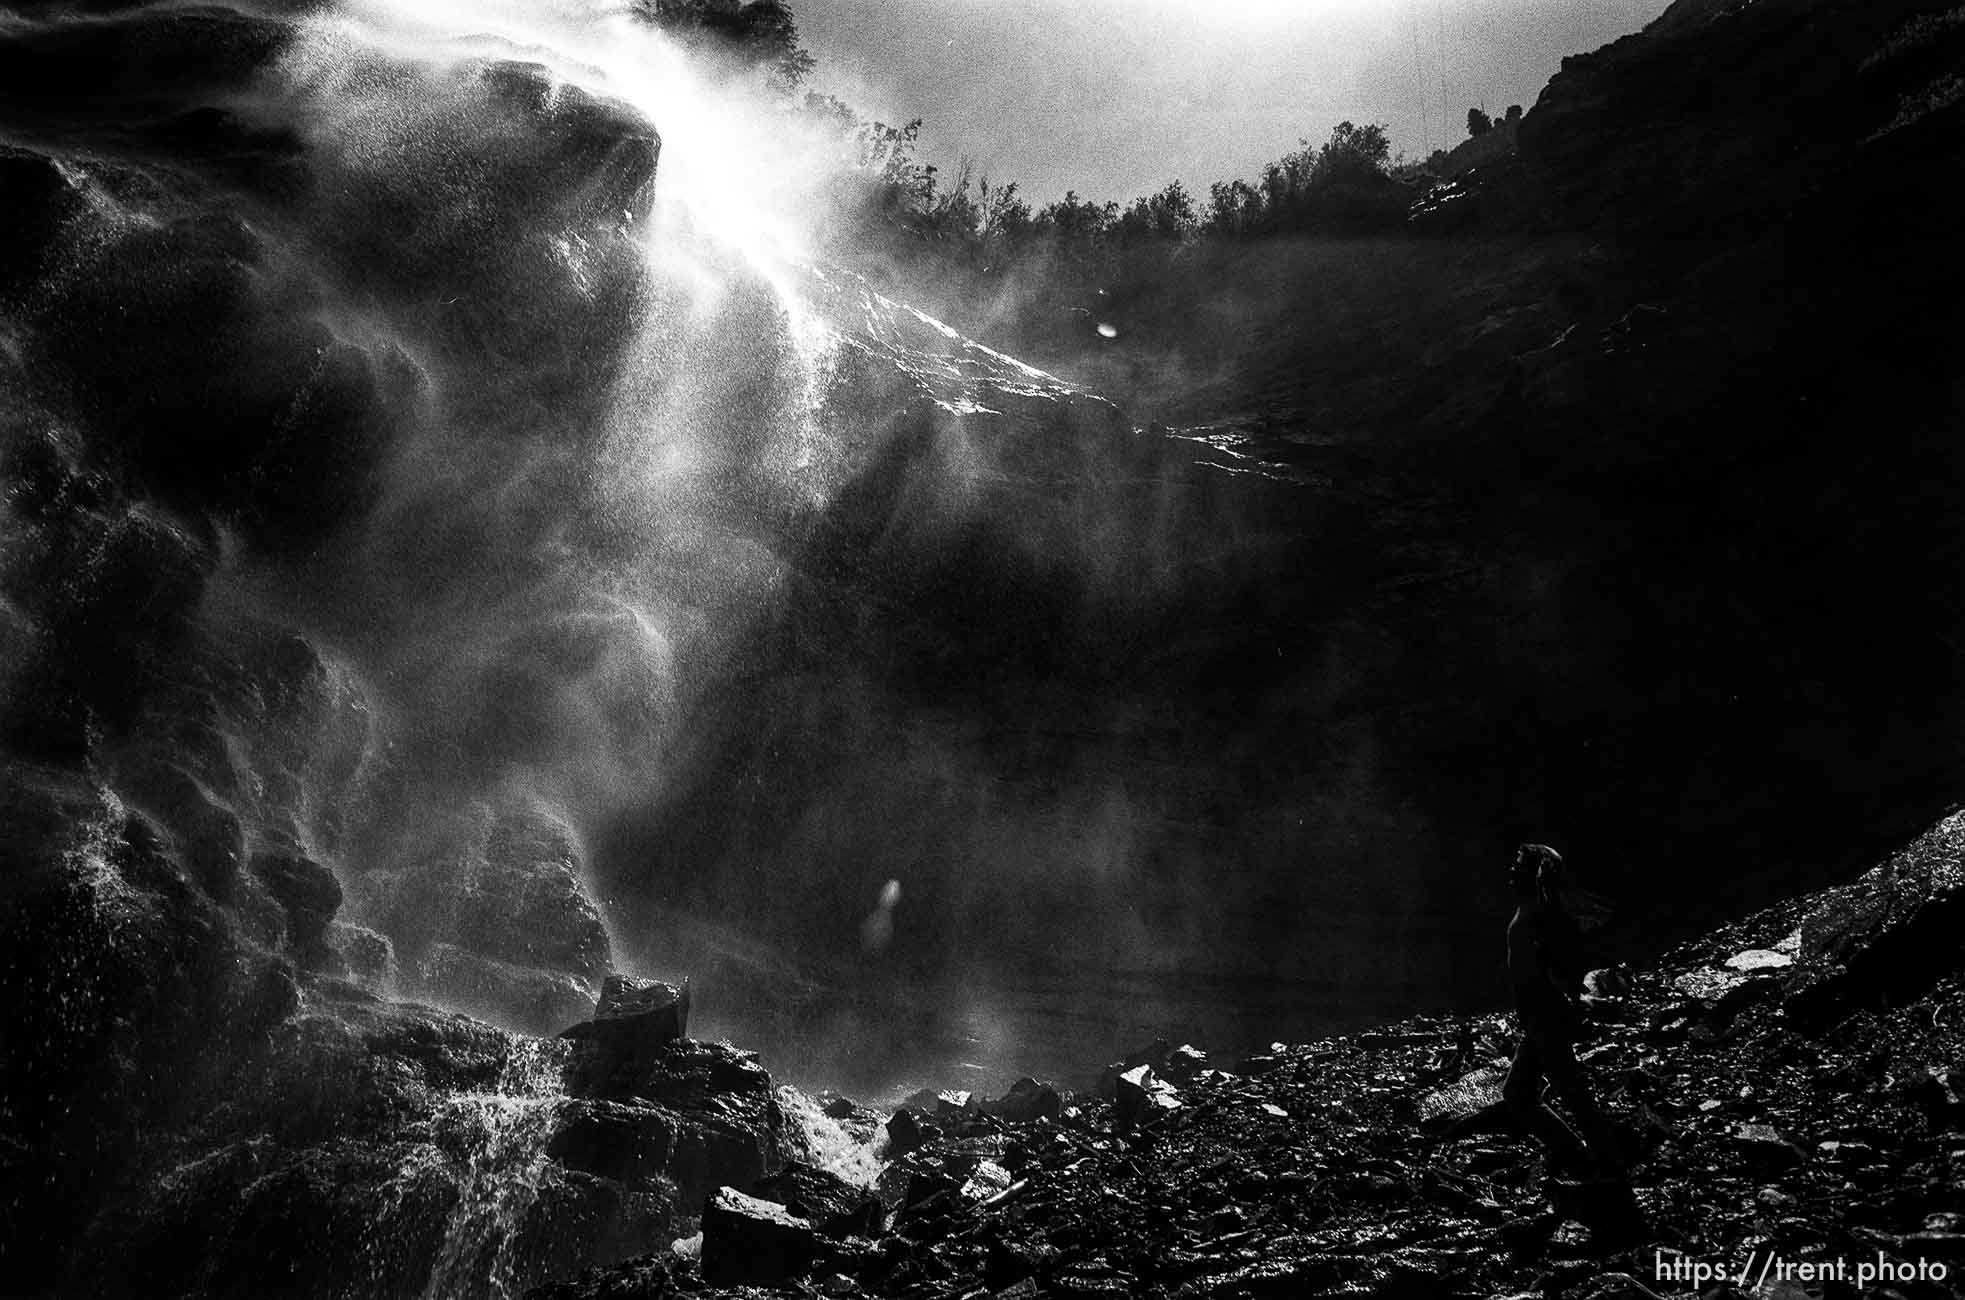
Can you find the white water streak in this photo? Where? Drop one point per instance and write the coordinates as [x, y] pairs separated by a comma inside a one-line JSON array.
[[501, 1172]]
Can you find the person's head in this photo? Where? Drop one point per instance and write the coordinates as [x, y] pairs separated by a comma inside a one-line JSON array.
[[1536, 872]]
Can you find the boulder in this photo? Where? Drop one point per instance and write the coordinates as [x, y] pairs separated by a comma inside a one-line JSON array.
[[1940, 1094], [1153, 1055], [833, 1206], [1025, 1102], [637, 1011], [1184, 1064], [942, 1106], [907, 1132], [1141, 1096], [748, 1240], [626, 1047]]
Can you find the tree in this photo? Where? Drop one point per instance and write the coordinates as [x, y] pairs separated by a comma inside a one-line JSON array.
[[1234, 208], [1478, 123], [1353, 153], [1166, 215], [1514, 115], [1004, 219]]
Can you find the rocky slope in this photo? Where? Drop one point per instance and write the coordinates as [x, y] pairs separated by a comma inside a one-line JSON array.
[[1791, 1091]]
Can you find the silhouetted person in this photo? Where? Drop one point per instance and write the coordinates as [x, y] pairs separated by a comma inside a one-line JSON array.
[[1546, 969]]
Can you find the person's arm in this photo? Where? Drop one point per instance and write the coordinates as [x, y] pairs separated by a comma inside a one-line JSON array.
[[1563, 958]]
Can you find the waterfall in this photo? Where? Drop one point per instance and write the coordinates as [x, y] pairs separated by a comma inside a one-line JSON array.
[[496, 1147]]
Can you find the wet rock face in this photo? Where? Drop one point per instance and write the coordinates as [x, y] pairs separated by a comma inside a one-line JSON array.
[[528, 906], [494, 229], [496, 919], [202, 381], [113, 961], [525, 997], [307, 891], [102, 588]]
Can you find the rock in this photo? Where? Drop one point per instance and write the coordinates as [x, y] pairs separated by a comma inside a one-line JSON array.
[[945, 1106], [524, 998], [1940, 1094], [1711, 1001], [1153, 1055], [1706, 984], [369, 956], [306, 890], [1609, 982], [1184, 1064], [1759, 959], [1887, 938], [635, 1039], [833, 1206], [747, 1240], [907, 1132], [1469, 1105], [672, 1127], [1766, 1147], [1142, 1097], [956, 1109], [987, 1179], [527, 904], [626, 1141], [641, 1010], [1025, 1102], [206, 832], [667, 1160]]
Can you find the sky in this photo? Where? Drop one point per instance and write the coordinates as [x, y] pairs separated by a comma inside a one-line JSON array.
[[1114, 98]]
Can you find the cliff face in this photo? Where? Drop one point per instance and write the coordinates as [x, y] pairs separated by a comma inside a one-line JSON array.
[[1721, 120]]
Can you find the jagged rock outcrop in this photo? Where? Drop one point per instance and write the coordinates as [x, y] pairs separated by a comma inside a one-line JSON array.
[[1885, 939], [659, 1120]]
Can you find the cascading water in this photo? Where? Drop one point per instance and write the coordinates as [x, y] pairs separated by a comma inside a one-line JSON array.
[[613, 543], [477, 545], [500, 1166]]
